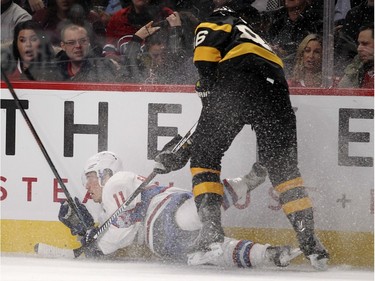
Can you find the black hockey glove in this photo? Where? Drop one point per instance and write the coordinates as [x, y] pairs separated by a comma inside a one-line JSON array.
[[91, 248], [203, 91], [168, 161], [71, 220]]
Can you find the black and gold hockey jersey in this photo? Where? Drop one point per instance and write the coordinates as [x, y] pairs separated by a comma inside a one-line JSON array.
[[225, 38]]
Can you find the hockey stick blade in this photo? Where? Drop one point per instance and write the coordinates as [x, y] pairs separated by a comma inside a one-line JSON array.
[[49, 251]]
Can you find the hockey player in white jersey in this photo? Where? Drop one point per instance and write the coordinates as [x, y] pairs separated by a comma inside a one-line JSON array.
[[164, 218]]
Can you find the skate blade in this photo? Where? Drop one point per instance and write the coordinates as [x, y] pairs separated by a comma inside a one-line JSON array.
[[209, 257], [291, 255]]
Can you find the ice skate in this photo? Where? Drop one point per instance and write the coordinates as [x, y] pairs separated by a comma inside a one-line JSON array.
[[316, 253], [256, 176], [210, 233], [206, 257], [209, 212]]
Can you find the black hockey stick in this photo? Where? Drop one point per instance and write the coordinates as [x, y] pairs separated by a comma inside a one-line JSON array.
[[43, 149], [137, 191]]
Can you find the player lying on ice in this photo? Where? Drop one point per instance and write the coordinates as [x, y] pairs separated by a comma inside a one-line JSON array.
[[163, 218]]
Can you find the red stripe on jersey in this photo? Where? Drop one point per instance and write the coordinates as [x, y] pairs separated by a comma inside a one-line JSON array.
[[152, 216]]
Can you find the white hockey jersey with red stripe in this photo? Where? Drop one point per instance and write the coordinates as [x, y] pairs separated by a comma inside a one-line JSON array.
[[165, 219]]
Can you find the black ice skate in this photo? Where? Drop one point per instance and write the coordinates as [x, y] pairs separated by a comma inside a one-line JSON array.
[[209, 212], [316, 253], [210, 233]]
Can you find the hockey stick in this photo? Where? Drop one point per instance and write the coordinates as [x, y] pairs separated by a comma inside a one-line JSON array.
[[137, 191], [184, 139], [43, 149]]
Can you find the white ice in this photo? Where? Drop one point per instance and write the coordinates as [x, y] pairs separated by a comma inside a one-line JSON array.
[[31, 268]]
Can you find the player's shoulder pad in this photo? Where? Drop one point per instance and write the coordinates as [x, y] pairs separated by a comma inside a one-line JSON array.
[[123, 183], [123, 179]]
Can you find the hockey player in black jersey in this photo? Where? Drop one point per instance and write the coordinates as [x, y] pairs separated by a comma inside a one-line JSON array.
[[242, 82]]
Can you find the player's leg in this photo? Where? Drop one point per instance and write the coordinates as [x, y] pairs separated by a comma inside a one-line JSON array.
[[275, 128], [218, 125], [246, 253]]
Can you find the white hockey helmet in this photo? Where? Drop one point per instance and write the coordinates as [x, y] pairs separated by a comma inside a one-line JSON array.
[[102, 163]]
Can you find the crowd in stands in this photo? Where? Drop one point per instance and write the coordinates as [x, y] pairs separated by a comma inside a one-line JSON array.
[[151, 41]]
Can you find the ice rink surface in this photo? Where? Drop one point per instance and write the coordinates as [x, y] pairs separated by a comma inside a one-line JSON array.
[[31, 268]]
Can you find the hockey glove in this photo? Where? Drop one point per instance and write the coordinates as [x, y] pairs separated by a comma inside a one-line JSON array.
[[167, 161], [91, 248], [88, 237], [201, 90], [71, 220]]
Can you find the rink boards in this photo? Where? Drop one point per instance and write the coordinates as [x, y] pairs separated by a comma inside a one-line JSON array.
[[74, 121]]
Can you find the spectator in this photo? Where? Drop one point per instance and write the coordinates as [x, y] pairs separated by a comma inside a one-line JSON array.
[[76, 61], [190, 13], [360, 73], [307, 70], [11, 15], [258, 21], [32, 6], [126, 22], [341, 9], [164, 60], [54, 17], [134, 56], [345, 41], [31, 57], [289, 25], [113, 6]]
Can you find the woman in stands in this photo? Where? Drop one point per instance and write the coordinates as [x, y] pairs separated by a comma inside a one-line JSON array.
[[307, 70], [31, 56]]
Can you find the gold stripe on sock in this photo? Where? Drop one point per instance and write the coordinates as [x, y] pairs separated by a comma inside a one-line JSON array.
[[196, 171], [297, 205], [208, 187], [285, 186]]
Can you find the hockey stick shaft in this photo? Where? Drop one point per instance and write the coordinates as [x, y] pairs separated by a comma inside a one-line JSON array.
[[42, 148], [137, 191], [184, 139]]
